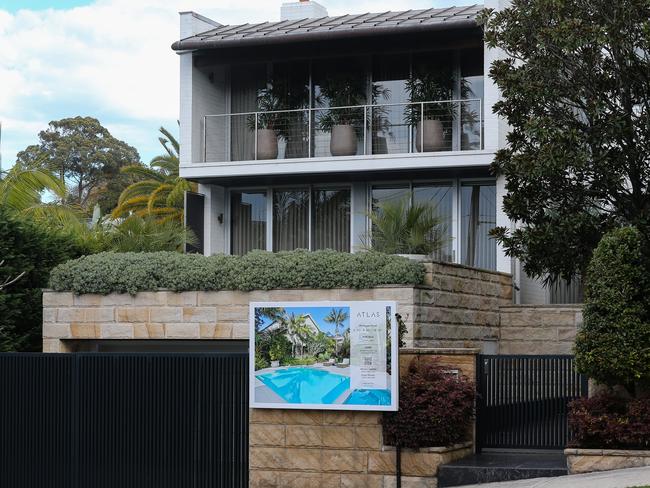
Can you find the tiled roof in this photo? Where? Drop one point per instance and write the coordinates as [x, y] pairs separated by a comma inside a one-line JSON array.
[[329, 27]]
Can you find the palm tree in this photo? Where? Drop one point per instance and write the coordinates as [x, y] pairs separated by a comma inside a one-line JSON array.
[[160, 191], [336, 317], [297, 328]]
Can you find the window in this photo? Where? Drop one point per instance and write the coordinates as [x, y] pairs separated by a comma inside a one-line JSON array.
[[441, 198], [471, 89], [290, 220], [301, 219], [248, 221], [478, 218], [331, 219]]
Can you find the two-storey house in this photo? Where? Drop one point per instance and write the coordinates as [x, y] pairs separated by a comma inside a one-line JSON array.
[[296, 129]]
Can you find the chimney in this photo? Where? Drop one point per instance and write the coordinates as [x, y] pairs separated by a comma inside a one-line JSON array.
[[304, 9]]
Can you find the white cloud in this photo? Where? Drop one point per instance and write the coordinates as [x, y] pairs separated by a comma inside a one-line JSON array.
[[112, 59]]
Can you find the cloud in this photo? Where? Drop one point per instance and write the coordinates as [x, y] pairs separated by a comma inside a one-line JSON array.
[[112, 59]]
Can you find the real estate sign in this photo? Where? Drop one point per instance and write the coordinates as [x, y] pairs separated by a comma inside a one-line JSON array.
[[324, 355]]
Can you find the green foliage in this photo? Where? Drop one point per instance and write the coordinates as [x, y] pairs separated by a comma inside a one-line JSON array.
[[405, 228], [260, 270], [303, 361], [574, 80], [612, 346], [431, 85], [83, 153], [280, 348], [32, 251], [261, 361]]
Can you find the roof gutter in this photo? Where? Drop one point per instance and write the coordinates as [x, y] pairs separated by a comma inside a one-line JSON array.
[[194, 43]]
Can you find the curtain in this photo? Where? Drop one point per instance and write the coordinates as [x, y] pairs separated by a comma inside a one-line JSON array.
[[331, 220], [245, 81], [248, 221], [290, 220], [478, 209]]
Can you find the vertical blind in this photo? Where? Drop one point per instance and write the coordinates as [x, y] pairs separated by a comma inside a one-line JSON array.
[[248, 221], [331, 220], [290, 220]]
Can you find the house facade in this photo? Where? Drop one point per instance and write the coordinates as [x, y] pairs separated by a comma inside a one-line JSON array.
[[296, 130]]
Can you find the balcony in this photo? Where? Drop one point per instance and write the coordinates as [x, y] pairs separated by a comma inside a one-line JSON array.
[[360, 131]]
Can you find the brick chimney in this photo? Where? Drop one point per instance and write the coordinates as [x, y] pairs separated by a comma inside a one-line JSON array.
[[304, 9]]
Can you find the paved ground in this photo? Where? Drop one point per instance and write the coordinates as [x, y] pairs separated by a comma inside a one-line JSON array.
[[620, 478]]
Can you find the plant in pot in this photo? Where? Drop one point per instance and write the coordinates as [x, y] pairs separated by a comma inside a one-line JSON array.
[[429, 118], [267, 123], [344, 124], [401, 227]]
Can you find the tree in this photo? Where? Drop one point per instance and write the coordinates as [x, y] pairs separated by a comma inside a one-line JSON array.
[[337, 316], [576, 95], [159, 191], [298, 329], [612, 346], [84, 154]]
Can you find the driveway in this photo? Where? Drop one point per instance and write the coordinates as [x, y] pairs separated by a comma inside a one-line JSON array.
[[620, 478]]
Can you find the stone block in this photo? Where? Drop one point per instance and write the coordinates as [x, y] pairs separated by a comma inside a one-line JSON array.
[[351, 294], [367, 437], [58, 299], [52, 345], [411, 482], [566, 333], [337, 418], [266, 416], [303, 417], [529, 333], [564, 318], [181, 299], [304, 436], [582, 463], [293, 479], [344, 461], [268, 457], [263, 479], [199, 314], [330, 480], [267, 435], [150, 298], [84, 331], [362, 481], [303, 459], [117, 299], [285, 295], [182, 331], [232, 313], [338, 437], [366, 418], [420, 463], [239, 331], [405, 295], [166, 314], [88, 300], [85, 314], [148, 331], [381, 462], [56, 331], [116, 331], [49, 315], [132, 314]]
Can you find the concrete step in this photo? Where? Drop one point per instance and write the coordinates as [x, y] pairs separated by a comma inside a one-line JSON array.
[[489, 467]]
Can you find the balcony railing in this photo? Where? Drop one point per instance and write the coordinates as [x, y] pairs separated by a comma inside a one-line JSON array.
[[363, 130]]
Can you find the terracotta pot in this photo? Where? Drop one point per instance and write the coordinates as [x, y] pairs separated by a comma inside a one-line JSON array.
[[343, 141], [267, 144], [430, 133]]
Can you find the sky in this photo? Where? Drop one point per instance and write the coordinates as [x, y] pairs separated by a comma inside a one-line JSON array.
[[111, 59], [318, 314]]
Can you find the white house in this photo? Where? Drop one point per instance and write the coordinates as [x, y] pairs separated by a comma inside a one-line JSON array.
[[295, 129]]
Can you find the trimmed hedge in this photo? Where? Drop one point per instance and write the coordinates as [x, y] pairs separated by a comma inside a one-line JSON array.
[[109, 272]]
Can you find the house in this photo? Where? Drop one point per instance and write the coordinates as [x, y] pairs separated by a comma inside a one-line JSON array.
[[296, 129]]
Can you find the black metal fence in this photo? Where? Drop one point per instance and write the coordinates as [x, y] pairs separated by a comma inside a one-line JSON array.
[[523, 400], [123, 420]]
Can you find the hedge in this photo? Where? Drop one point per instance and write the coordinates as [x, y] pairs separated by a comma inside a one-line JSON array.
[[109, 272]]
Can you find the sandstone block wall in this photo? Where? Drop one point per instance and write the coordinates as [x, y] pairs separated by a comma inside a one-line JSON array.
[[541, 329], [323, 449], [590, 460]]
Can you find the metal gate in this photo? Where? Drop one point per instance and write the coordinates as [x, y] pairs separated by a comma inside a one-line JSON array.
[[523, 401], [127, 420]]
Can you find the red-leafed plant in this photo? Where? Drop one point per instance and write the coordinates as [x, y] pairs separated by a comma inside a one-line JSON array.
[[606, 421], [436, 407]]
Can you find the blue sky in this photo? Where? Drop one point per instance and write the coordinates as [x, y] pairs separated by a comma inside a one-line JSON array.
[[111, 59], [318, 314]]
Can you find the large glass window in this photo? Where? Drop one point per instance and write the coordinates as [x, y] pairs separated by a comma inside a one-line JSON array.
[[471, 89], [290, 220], [248, 221], [478, 218], [331, 219], [441, 198]]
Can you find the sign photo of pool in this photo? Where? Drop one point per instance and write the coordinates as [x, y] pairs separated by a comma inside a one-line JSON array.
[[324, 355]]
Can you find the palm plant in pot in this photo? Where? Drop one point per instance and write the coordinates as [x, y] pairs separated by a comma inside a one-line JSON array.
[[411, 229], [267, 123], [344, 124], [429, 118]]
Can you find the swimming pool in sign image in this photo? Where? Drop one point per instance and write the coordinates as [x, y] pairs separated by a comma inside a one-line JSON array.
[[302, 357]]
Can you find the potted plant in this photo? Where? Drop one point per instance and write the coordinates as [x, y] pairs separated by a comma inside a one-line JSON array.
[[429, 119], [266, 124], [345, 123], [412, 230]]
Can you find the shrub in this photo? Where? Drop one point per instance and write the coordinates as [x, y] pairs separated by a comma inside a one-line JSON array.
[[612, 346], [26, 247], [260, 270], [609, 422], [435, 408]]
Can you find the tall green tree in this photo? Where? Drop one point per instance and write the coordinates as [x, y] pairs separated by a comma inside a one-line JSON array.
[[85, 155], [575, 83], [159, 190]]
